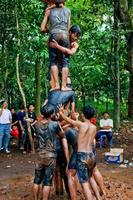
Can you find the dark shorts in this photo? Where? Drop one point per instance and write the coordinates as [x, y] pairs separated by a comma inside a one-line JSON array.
[[85, 165], [56, 57], [73, 160], [44, 171]]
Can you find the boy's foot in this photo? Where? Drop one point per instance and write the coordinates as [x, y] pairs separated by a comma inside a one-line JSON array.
[[66, 89], [24, 152], [56, 88]]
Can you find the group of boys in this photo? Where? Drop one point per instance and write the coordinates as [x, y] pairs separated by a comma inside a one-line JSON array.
[[60, 125]]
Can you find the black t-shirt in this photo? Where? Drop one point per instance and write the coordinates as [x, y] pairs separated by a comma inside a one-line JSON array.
[[21, 115], [32, 115], [14, 117], [47, 135]]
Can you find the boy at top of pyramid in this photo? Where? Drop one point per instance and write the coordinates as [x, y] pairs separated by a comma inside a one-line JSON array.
[[58, 17]]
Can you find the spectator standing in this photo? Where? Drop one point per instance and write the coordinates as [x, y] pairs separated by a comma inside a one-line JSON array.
[[32, 119], [5, 126]]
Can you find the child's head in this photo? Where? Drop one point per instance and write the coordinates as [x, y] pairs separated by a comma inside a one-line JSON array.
[[105, 115], [31, 107], [12, 110], [58, 2], [75, 32], [47, 111], [88, 112]]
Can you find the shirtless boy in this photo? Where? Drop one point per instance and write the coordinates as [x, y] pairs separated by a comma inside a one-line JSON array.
[[85, 155]]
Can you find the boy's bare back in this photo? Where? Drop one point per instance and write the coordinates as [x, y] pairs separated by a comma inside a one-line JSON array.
[[87, 133]]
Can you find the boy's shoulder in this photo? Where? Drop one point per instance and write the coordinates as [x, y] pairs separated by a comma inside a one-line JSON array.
[[91, 126]]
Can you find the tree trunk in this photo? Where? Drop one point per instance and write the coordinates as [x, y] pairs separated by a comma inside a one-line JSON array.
[[130, 97], [21, 89], [116, 75], [123, 10], [130, 68], [38, 85]]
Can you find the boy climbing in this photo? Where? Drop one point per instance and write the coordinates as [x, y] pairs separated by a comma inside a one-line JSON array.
[[59, 20]]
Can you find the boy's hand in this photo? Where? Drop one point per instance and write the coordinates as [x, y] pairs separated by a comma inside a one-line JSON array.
[[53, 44], [76, 115], [60, 108]]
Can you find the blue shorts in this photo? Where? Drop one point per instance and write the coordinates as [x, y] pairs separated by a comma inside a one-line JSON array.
[[85, 165]]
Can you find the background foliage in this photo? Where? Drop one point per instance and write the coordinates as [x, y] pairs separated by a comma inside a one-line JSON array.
[[92, 67]]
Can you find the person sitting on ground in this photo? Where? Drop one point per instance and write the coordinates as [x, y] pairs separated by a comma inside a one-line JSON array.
[[47, 131], [59, 19], [106, 125], [85, 155], [74, 33]]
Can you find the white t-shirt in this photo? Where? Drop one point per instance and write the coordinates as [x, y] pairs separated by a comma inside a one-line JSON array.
[[106, 122], [6, 117]]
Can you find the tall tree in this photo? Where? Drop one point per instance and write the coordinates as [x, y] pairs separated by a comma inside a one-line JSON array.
[[124, 12], [116, 75], [19, 83]]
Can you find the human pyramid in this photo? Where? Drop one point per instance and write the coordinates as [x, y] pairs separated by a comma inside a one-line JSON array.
[[60, 126]]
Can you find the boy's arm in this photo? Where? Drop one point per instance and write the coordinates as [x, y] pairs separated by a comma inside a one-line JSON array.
[[65, 148], [73, 122], [64, 142], [71, 51], [69, 22], [45, 21], [50, 7]]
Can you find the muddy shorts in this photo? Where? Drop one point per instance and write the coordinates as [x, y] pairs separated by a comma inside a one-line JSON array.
[[44, 171], [85, 165]]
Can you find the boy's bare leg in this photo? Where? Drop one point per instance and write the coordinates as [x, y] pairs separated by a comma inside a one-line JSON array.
[[54, 74], [36, 191], [65, 72], [46, 192], [72, 185], [87, 191], [99, 180], [95, 188], [52, 83]]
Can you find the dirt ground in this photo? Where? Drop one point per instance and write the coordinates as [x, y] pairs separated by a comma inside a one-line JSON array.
[[17, 170]]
